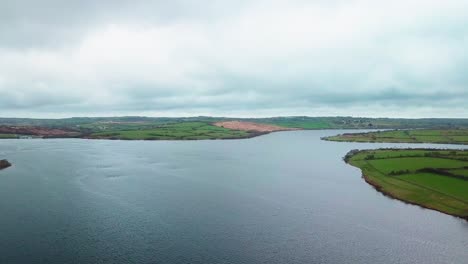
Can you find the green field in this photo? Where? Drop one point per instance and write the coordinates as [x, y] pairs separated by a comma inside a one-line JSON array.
[[5, 136], [435, 179], [445, 136], [176, 131]]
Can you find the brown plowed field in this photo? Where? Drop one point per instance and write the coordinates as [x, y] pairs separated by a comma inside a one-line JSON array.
[[35, 131]]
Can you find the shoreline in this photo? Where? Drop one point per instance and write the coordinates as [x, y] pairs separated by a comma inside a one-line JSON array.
[[388, 194], [252, 135], [143, 139], [400, 142]]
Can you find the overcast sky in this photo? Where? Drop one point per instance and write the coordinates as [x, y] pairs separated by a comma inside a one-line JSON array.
[[399, 58]]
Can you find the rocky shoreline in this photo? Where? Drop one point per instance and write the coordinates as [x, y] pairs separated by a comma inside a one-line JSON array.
[[4, 164]]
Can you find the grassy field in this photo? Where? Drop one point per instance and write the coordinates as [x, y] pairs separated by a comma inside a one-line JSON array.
[[176, 131], [5, 136], [446, 136], [435, 179]]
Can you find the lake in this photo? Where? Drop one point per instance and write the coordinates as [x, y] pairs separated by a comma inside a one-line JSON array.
[[285, 197]]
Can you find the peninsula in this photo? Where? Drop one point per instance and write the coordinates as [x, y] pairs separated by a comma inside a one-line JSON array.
[[431, 178], [439, 136]]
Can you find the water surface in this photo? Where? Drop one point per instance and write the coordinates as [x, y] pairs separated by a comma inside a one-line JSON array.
[[281, 198]]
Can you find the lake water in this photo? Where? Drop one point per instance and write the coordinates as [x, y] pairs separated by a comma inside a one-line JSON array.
[[281, 198]]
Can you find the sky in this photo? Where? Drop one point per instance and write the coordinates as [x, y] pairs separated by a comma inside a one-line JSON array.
[[256, 58]]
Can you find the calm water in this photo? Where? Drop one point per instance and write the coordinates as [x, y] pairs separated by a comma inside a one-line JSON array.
[[281, 198]]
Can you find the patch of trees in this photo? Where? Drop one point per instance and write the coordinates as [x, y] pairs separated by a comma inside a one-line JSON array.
[[432, 154], [350, 154], [442, 172], [398, 172]]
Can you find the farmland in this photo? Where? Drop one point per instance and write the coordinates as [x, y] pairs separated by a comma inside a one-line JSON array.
[[175, 131], [435, 179], [445, 136]]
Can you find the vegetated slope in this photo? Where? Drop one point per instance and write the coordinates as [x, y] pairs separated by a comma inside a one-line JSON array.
[[435, 179], [445, 136]]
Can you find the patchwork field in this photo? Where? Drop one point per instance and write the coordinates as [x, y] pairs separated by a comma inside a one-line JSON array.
[[435, 179], [445, 136]]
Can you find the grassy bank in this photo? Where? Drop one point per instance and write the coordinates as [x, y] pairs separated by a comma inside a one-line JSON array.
[[176, 131], [445, 136], [435, 179]]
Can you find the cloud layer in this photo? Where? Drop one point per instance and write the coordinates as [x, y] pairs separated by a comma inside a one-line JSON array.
[[242, 58]]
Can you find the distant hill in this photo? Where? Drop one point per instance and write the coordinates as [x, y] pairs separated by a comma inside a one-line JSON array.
[[304, 122], [201, 127]]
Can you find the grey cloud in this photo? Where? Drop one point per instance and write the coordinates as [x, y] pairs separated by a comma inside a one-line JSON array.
[[225, 57], [54, 23]]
